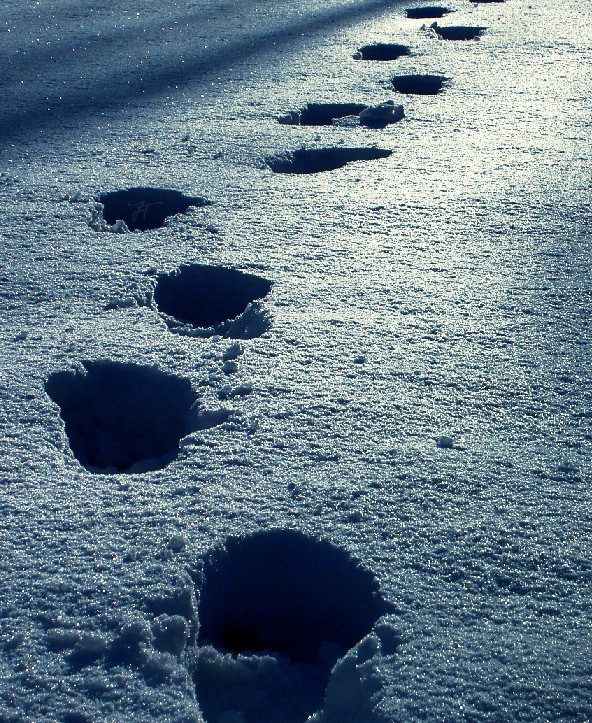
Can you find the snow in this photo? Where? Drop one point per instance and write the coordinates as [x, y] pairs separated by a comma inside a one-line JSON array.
[[362, 491]]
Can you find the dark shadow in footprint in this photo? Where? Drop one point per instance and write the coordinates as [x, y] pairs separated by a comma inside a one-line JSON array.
[[317, 160], [382, 51], [122, 417], [201, 300], [458, 32], [277, 609], [419, 84], [322, 114], [146, 208], [430, 11]]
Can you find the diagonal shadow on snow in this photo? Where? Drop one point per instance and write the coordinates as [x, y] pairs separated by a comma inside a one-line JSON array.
[[109, 86]]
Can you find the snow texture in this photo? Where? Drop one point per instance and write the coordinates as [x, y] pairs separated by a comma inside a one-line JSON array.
[[359, 490]]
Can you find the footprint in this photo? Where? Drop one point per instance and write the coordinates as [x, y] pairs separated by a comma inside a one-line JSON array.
[[277, 609], [122, 417], [201, 300], [143, 208], [321, 114], [419, 84], [382, 51], [317, 160], [458, 32], [430, 11]]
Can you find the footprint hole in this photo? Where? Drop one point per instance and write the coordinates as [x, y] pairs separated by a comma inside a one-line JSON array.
[[146, 208], [383, 51], [203, 300], [120, 417], [430, 11], [419, 84], [277, 609]]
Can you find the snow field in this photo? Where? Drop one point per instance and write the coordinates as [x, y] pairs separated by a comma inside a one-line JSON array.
[[410, 402]]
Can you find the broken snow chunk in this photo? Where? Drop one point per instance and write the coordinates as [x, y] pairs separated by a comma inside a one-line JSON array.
[[89, 648], [115, 303], [233, 351], [346, 121], [382, 114], [176, 543]]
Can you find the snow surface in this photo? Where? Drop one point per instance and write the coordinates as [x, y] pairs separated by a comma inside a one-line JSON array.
[[369, 499]]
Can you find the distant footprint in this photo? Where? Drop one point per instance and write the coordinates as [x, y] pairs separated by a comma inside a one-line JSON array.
[[318, 160], [419, 84], [345, 115], [382, 51], [202, 300], [277, 609], [141, 209], [430, 11], [122, 417], [458, 32], [321, 114]]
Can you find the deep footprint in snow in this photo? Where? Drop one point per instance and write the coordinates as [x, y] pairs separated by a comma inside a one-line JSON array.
[[146, 208], [458, 32], [201, 300], [419, 84], [122, 417], [430, 11], [277, 609], [318, 160], [382, 51]]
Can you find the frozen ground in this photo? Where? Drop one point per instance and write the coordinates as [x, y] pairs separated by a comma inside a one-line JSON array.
[[346, 476]]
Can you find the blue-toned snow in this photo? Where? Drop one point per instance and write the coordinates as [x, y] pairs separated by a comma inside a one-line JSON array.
[[356, 490]]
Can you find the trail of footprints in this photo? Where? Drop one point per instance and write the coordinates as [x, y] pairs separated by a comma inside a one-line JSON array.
[[294, 603]]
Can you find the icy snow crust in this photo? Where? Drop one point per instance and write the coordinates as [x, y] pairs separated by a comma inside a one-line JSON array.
[[413, 417]]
